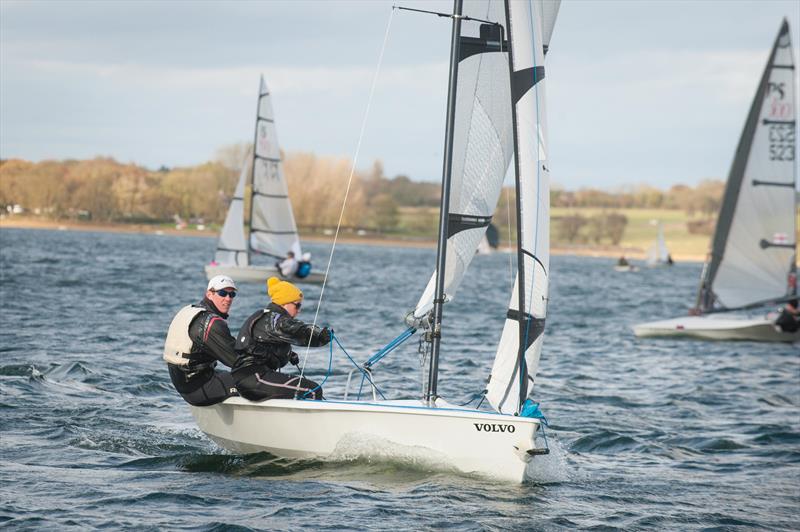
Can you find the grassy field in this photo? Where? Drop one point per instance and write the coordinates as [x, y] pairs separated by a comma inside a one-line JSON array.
[[640, 231]]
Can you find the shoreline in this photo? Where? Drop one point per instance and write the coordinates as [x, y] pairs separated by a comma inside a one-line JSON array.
[[71, 225]]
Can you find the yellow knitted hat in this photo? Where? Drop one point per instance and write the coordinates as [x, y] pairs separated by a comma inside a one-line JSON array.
[[282, 292]]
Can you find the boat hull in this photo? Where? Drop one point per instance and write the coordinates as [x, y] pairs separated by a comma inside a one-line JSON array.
[[715, 327], [257, 274], [470, 441]]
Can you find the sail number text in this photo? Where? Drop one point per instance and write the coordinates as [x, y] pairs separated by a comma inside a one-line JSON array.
[[781, 142]]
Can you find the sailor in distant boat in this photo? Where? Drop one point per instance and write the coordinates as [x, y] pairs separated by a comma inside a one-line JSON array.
[[198, 338], [287, 266], [264, 346], [623, 261], [789, 318], [304, 266]]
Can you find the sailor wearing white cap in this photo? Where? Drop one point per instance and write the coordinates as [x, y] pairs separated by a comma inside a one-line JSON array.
[[198, 338]]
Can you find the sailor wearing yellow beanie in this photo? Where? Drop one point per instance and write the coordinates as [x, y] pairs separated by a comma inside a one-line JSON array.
[[264, 346], [283, 292]]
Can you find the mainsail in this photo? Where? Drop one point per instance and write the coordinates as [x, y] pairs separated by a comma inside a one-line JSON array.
[[272, 226], [482, 141], [754, 247], [232, 244], [517, 358]]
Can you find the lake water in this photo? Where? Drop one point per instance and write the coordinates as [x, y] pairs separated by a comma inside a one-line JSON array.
[[645, 434]]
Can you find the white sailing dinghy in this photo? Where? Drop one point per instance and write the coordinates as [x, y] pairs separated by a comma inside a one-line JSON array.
[[658, 254], [270, 229], [491, 116], [752, 263]]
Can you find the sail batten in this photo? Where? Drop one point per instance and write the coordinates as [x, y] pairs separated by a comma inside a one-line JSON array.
[[754, 246]]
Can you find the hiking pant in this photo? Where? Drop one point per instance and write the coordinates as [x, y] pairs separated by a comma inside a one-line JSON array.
[[207, 388], [259, 382]]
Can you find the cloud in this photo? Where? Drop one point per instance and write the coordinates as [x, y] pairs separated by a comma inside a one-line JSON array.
[[241, 79]]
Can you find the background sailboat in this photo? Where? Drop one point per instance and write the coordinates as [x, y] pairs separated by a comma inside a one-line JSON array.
[[496, 109], [269, 229], [752, 262], [658, 254]]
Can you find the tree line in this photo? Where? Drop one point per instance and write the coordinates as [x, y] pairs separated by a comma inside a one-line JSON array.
[[105, 190]]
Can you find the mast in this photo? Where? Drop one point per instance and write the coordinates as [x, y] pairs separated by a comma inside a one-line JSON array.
[[441, 250], [523, 388], [253, 172]]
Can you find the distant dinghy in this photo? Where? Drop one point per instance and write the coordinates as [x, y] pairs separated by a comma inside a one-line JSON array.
[[269, 229], [658, 254], [752, 263], [490, 41]]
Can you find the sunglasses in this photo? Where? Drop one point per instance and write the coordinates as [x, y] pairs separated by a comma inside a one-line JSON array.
[[297, 305], [226, 293]]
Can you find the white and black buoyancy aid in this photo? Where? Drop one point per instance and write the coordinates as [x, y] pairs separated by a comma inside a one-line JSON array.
[[178, 345]]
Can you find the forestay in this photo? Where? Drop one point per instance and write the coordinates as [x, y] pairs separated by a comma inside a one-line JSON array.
[[272, 227], [754, 243], [482, 143], [232, 245], [517, 357]]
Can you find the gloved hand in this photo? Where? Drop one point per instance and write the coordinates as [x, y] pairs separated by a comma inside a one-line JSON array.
[[294, 358], [325, 336]]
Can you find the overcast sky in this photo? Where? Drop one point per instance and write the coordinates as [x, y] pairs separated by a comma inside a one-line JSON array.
[[639, 92]]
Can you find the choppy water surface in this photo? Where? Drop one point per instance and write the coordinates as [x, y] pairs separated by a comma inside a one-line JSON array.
[[646, 434]]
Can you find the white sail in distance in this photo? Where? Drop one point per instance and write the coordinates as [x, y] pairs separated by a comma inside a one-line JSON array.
[[482, 142], [517, 358], [232, 244], [658, 252], [755, 242], [272, 227]]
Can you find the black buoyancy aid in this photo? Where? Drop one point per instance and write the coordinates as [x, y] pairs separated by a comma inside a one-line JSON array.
[[246, 340], [256, 345]]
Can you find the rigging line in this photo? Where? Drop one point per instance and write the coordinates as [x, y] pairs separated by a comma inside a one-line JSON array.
[[347, 190], [445, 15]]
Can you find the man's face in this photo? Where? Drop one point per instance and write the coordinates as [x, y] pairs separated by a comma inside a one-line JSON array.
[[222, 299]]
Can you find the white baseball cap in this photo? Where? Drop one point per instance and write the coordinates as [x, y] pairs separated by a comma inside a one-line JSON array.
[[221, 281]]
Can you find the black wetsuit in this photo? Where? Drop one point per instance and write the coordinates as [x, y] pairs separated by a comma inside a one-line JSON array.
[[198, 382], [264, 346], [787, 321]]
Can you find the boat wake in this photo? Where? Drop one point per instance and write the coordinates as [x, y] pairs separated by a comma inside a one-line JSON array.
[[551, 468]]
